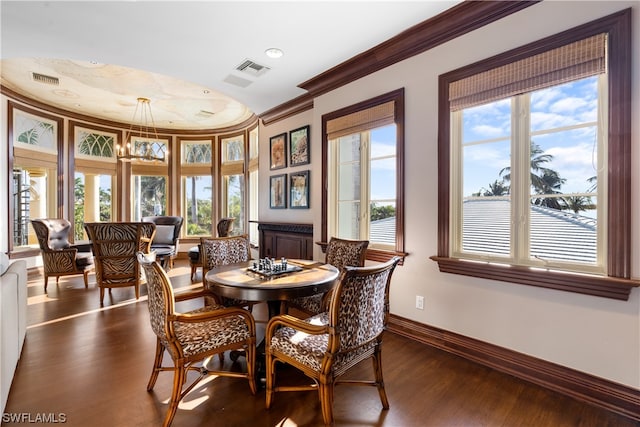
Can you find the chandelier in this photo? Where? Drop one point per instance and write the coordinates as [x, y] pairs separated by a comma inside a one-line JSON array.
[[146, 128]]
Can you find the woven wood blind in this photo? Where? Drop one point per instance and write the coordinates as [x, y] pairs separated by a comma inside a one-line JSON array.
[[371, 118], [22, 156], [232, 168], [574, 61], [95, 167]]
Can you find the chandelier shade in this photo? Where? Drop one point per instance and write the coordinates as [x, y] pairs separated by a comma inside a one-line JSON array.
[[144, 124]]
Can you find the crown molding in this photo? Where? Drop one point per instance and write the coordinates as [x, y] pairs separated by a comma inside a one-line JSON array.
[[448, 25]]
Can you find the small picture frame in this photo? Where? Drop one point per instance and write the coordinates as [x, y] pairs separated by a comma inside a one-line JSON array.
[[299, 147], [278, 192], [278, 150], [299, 190]]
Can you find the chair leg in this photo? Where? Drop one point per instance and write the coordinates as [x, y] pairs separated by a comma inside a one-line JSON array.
[[193, 271], [271, 378], [179, 377], [137, 288], [250, 354], [86, 279], [102, 295], [326, 400], [157, 364], [46, 281], [377, 368]]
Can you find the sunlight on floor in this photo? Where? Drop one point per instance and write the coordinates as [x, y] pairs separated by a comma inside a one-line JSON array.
[[44, 298], [286, 422], [40, 299], [188, 403], [85, 313]]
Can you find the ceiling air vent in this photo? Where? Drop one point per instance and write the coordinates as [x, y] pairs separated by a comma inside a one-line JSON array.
[[43, 78], [253, 68]]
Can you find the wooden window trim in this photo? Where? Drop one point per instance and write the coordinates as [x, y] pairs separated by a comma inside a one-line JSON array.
[[396, 96], [617, 284]]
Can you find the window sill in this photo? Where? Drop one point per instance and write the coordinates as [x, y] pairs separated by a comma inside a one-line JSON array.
[[602, 286], [24, 253]]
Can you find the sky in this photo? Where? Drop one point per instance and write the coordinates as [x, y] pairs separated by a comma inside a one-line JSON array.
[[562, 124]]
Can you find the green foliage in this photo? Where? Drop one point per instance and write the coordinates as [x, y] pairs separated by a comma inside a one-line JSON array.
[[152, 195], [498, 188], [78, 211], [382, 212], [105, 205]]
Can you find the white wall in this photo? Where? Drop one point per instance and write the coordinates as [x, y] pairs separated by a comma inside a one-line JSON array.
[[591, 334]]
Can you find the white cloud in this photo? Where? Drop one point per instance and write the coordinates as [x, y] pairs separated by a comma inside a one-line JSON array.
[[488, 131], [568, 105]]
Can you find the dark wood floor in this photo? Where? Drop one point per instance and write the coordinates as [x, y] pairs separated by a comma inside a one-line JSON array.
[[91, 365]]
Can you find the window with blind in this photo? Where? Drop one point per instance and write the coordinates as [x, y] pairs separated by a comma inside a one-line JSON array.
[[232, 171], [362, 169], [534, 174], [94, 165], [196, 190], [35, 161]]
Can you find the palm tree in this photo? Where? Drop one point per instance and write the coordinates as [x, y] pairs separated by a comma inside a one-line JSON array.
[[153, 195], [549, 183], [497, 188], [578, 203], [538, 158]]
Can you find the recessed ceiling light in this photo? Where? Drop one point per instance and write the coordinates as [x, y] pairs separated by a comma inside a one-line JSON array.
[[274, 52]]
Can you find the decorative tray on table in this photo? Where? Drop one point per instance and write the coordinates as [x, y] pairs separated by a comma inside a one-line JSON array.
[[269, 267]]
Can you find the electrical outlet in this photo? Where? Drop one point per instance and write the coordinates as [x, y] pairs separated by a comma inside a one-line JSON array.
[[419, 302]]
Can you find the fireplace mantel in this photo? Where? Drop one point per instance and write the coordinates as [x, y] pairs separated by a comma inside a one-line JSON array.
[[283, 239]]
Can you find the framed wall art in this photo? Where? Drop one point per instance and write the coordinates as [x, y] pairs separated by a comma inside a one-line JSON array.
[[299, 190], [278, 190], [299, 146], [278, 150]]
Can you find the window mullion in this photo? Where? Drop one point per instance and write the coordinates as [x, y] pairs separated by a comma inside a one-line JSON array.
[[365, 187], [521, 178]]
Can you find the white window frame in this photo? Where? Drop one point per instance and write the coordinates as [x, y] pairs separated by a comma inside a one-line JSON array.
[[520, 193]]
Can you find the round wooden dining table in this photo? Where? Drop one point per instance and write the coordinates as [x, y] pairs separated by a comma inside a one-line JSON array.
[[239, 282]]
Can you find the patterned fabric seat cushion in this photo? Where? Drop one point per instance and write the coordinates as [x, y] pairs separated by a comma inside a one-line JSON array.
[[310, 304], [311, 349], [204, 336]]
